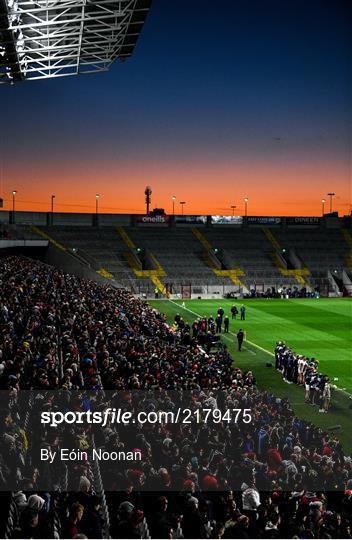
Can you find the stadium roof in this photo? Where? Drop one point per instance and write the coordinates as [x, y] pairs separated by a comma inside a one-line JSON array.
[[57, 38]]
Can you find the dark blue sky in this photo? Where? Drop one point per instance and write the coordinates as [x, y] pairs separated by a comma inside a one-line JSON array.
[[240, 89]]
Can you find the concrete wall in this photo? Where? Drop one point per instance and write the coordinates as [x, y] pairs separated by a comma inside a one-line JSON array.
[[105, 220], [64, 218], [4, 244]]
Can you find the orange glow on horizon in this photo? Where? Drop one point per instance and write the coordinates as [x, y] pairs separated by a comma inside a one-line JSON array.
[[272, 189]]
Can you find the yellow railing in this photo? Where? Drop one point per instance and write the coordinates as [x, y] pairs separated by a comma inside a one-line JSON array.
[[232, 273], [48, 237], [154, 274]]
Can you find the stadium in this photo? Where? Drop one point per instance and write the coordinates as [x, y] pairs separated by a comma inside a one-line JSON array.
[[170, 368]]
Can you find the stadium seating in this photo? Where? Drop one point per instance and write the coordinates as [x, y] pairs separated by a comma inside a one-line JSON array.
[[100, 248], [179, 253], [250, 250], [186, 260], [320, 250]]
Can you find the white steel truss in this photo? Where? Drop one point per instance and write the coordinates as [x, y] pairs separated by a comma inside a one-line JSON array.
[[57, 38]]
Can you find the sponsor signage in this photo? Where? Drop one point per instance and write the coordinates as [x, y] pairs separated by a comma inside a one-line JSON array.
[[303, 220], [191, 219], [152, 220], [263, 220], [227, 220]]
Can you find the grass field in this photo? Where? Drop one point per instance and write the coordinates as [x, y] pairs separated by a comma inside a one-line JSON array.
[[320, 328]]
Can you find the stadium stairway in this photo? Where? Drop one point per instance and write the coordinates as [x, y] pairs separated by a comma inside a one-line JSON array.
[[249, 250], [233, 273], [82, 259], [181, 256], [154, 275], [322, 249], [50, 239], [299, 274]]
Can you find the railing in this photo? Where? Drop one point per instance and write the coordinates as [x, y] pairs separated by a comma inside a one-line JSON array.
[[99, 488], [98, 483]]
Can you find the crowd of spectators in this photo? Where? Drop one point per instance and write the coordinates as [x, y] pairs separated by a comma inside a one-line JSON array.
[[298, 369], [283, 292], [277, 476]]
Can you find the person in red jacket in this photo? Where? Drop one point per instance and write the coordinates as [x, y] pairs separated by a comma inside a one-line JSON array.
[[274, 458]]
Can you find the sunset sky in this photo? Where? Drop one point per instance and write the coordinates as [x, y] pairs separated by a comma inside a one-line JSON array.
[[220, 100]]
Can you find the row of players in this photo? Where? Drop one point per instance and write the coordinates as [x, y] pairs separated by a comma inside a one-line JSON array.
[[298, 369]]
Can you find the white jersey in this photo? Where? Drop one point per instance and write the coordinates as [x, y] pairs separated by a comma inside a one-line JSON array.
[[301, 365], [327, 391]]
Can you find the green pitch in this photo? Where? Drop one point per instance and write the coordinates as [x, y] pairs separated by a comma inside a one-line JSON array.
[[319, 328]]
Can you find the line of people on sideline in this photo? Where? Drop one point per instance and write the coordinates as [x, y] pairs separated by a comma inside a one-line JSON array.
[[301, 370]]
